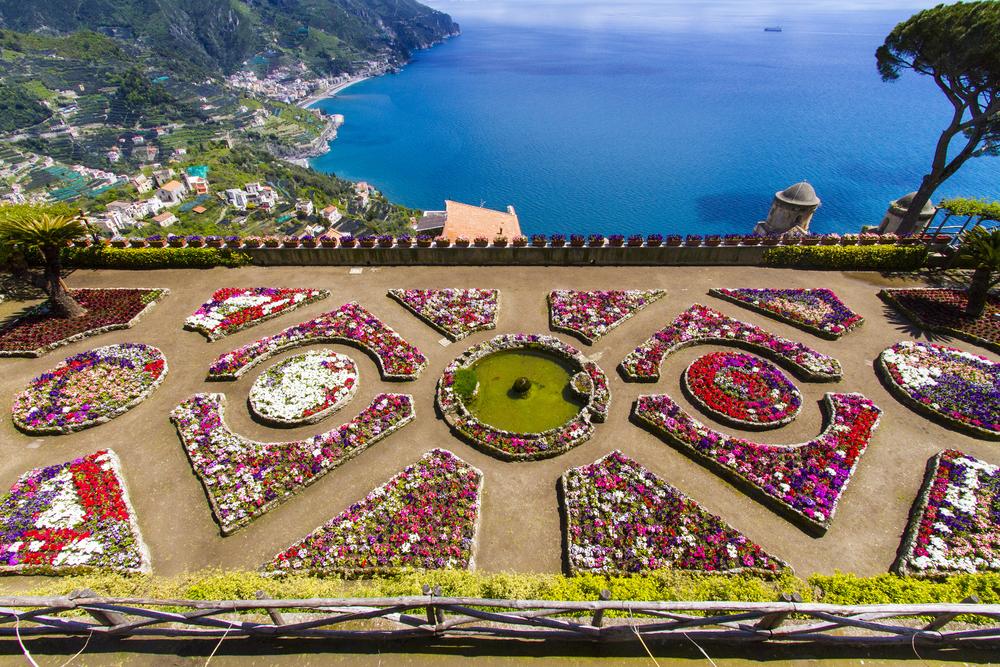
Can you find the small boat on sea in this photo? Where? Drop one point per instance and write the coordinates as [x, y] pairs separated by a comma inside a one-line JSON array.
[[775, 28]]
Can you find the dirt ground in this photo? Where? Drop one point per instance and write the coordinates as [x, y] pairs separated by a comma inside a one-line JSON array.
[[520, 528]]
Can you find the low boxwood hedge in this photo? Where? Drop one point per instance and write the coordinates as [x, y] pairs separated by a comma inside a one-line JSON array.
[[848, 258], [153, 258]]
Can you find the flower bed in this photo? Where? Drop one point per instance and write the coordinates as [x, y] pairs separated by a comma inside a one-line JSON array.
[[456, 313], [622, 519], [742, 390], [804, 482], [955, 527], [38, 332], [244, 479], [818, 311], [71, 518], [352, 324], [590, 315], [525, 446], [234, 308], [425, 517], [943, 311], [958, 388], [304, 389], [90, 388], [700, 324]]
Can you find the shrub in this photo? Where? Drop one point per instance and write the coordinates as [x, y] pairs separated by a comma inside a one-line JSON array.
[[466, 382], [153, 258], [848, 258]]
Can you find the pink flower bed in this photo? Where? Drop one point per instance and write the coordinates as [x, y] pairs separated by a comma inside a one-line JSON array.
[[456, 313], [804, 482], [700, 324], [425, 518], [352, 324], [623, 519], [590, 315], [818, 311], [244, 479], [233, 308]]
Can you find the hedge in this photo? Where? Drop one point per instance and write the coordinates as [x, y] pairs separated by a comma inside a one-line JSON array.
[[848, 258], [153, 258]]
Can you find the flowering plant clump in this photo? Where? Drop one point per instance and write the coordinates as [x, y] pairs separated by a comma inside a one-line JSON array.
[[818, 311], [804, 481], [525, 446], [244, 479], [960, 388], [425, 517], [396, 358], [956, 525], [700, 324], [304, 389], [742, 390], [590, 315], [456, 313], [69, 518], [943, 311], [38, 332], [233, 308], [623, 519], [90, 388]]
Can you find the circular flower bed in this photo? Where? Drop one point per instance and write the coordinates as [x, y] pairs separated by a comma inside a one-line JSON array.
[[945, 383], [526, 446], [89, 389], [742, 390], [304, 389]]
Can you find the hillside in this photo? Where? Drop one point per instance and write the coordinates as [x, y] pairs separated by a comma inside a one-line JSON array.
[[219, 35]]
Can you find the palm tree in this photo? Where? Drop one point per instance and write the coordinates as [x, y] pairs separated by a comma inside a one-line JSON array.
[[982, 249], [47, 230]]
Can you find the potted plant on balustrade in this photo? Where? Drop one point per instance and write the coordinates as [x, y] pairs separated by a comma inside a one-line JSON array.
[[713, 240], [693, 240], [272, 242], [119, 242], [829, 239], [308, 241], [194, 241], [442, 242], [137, 242], [404, 241], [213, 241], [500, 242], [253, 242], [635, 241], [849, 239], [750, 239], [234, 242], [328, 241], [481, 241], [616, 240], [656, 240], [576, 240], [348, 241], [732, 239], [367, 241], [461, 242], [519, 241], [596, 240], [770, 240], [557, 240], [538, 240], [175, 241], [424, 240]]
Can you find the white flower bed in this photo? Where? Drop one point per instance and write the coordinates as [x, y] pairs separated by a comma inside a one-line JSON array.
[[305, 388]]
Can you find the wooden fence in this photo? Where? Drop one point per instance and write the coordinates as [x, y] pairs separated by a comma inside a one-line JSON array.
[[787, 621]]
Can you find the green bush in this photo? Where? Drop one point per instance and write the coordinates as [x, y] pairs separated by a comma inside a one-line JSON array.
[[153, 258], [848, 258], [888, 588], [974, 207], [465, 382]]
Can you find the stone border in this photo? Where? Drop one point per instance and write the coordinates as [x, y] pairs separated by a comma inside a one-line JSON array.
[[659, 294], [454, 411], [393, 294], [37, 352], [723, 418], [315, 417], [212, 336], [104, 419], [901, 395], [888, 297], [804, 326]]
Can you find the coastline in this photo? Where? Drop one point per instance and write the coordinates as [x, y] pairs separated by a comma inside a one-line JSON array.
[[332, 91]]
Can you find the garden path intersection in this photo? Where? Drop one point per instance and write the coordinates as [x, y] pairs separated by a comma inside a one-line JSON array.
[[517, 518]]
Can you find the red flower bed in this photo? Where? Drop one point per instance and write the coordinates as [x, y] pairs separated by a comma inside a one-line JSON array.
[[943, 311]]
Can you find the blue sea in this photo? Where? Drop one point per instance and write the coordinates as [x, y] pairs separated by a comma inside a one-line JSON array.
[[660, 116]]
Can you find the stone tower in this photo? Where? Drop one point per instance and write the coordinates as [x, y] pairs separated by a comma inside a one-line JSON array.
[[791, 211], [897, 209]]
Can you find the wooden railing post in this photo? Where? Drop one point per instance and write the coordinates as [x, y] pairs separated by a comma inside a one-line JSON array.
[[438, 611], [277, 618], [598, 618], [102, 616], [942, 620], [431, 614], [771, 621]]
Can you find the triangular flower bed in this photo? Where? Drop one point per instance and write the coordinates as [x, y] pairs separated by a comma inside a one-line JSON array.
[[622, 519], [456, 313], [233, 308], [350, 324], [955, 526], [244, 478], [590, 315], [423, 518], [818, 311], [804, 482], [701, 325], [69, 518]]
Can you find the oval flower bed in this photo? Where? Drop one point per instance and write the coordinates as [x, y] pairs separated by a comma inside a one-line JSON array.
[[234, 308], [90, 388], [818, 311], [456, 313], [959, 388], [955, 527], [700, 324], [622, 519], [590, 315], [742, 390], [304, 389], [425, 517], [525, 446], [804, 482]]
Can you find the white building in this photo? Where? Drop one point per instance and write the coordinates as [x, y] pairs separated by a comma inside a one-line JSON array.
[[332, 214], [172, 193], [304, 206], [237, 198]]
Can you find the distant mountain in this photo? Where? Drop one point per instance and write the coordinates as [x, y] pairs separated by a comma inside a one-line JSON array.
[[219, 35]]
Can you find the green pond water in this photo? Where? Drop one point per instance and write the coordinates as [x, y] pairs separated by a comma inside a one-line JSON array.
[[549, 403]]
